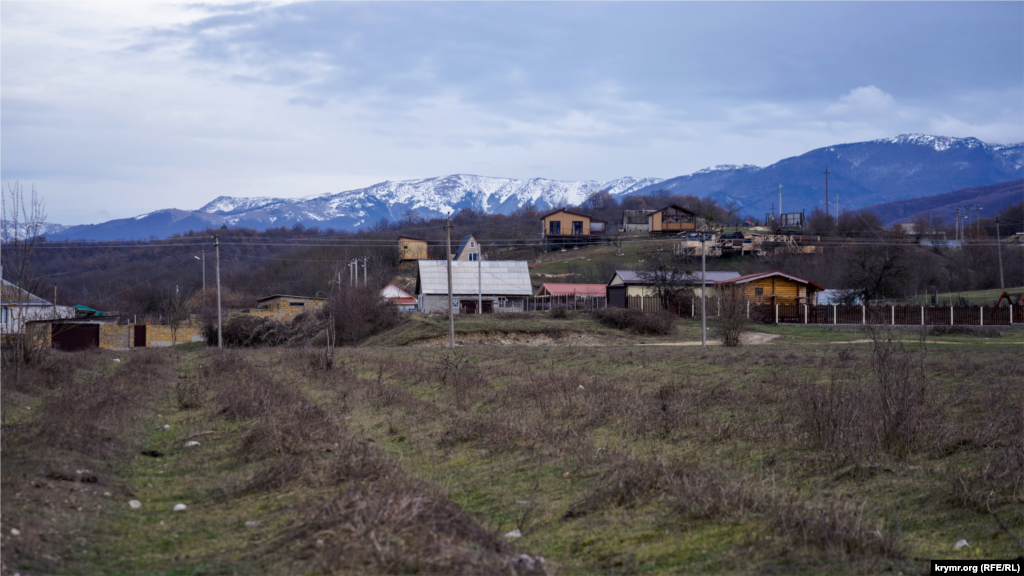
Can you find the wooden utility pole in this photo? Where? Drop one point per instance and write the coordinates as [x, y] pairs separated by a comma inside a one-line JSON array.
[[479, 279], [703, 291], [220, 337], [999, 252], [451, 309]]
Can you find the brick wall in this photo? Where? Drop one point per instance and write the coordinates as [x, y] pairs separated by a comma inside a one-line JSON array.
[[115, 336], [40, 335], [161, 335]]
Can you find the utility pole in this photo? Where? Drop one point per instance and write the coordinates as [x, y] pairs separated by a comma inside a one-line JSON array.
[[998, 248], [826, 193], [703, 291], [365, 283], [220, 337], [779, 221], [451, 309], [479, 279]]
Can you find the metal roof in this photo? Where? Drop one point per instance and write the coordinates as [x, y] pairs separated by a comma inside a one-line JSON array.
[[759, 275], [497, 277], [642, 277], [10, 293], [580, 289], [290, 296]]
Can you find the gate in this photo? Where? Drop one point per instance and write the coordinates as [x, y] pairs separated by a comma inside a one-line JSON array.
[[75, 336], [140, 336]]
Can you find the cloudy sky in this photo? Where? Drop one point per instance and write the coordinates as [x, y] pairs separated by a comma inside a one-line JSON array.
[[113, 109]]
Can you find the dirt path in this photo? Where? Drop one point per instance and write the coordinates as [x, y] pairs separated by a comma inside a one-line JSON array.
[[748, 339]]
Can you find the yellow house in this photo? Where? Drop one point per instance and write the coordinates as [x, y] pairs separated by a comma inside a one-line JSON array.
[[282, 307], [671, 219], [410, 248], [629, 283], [562, 223], [469, 250], [776, 288]]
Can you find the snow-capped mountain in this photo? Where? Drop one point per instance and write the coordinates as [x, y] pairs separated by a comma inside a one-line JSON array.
[[8, 232], [863, 173], [426, 197]]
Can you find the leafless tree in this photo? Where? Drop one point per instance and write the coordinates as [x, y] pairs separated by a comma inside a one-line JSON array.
[[22, 221]]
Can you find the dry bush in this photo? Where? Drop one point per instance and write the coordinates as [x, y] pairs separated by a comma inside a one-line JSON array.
[[636, 321], [731, 320], [97, 416], [189, 392], [559, 312], [396, 526], [359, 312], [903, 389], [243, 392]]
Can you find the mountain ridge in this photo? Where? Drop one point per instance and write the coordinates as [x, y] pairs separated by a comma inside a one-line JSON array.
[[861, 174]]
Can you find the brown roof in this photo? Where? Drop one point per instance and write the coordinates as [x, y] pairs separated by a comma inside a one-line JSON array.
[[749, 277], [592, 219], [678, 207], [413, 238], [290, 296]]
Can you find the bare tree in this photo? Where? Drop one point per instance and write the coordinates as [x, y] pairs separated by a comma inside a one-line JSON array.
[[731, 321], [22, 222]]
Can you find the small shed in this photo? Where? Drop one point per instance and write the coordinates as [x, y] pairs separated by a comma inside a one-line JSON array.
[[776, 288], [401, 298], [410, 248], [285, 307], [500, 285], [634, 221]]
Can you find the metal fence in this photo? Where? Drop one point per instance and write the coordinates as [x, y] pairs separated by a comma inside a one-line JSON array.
[[567, 301], [898, 315]]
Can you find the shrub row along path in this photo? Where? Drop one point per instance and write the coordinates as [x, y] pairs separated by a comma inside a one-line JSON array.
[[199, 462]]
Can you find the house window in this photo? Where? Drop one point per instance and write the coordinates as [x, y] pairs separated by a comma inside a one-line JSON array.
[[472, 244], [406, 247], [5, 316], [554, 227], [577, 227], [758, 291], [474, 256], [296, 303]]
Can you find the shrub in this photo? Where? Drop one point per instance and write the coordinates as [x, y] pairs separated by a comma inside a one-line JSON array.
[[636, 321], [559, 312]]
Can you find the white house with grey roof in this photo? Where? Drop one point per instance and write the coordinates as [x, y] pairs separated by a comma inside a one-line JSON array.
[[501, 285]]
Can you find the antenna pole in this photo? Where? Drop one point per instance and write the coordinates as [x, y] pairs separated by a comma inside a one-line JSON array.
[[826, 193], [999, 252], [779, 223]]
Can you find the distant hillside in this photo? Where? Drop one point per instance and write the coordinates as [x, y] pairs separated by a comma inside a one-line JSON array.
[[992, 199], [862, 173]]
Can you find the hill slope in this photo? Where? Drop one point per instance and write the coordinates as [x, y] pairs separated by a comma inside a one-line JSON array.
[[991, 198]]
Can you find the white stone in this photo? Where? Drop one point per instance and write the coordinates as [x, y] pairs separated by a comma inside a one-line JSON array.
[[135, 504], [514, 534], [961, 543], [179, 507], [251, 523], [117, 359], [191, 443], [15, 532], [167, 426]]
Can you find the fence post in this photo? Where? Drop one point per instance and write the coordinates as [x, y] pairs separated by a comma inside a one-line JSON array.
[[922, 315], [981, 313], [1011, 314], [806, 312], [748, 309], [776, 313], [950, 315], [693, 310], [864, 314], [835, 313]]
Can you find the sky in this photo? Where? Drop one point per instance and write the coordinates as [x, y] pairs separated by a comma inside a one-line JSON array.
[[115, 109]]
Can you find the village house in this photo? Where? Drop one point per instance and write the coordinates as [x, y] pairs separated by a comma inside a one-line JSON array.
[[469, 250], [405, 301], [626, 284], [694, 243], [775, 288], [501, 286], [18, 306], [671, 219], [577, 290], [564, 223], [410, 248]]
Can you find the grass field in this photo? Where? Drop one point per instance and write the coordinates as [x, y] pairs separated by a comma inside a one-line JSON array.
[[815, 452]]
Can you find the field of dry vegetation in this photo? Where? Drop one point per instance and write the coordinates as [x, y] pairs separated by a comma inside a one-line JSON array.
[[794, 457]]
